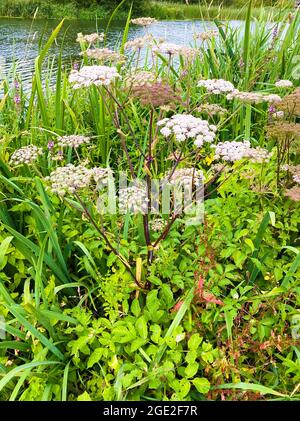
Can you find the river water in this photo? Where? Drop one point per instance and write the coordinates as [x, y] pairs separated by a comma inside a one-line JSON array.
[[20, 39]]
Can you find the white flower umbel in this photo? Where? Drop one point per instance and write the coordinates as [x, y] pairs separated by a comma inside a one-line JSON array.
[[133, 199], [101, 175], [284, 84], [216, 86], [69, 178], [157, 224], [185, 177], [104, 55], [26, 155], [93, 75], [234, 151], [90, 38], [167, 48], [143, 21], [206, 35], [253, 97], [186, 126], [139, 43], [140, 78], [74, 141]]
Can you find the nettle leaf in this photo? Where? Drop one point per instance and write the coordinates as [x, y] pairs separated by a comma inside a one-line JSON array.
[[239, 258], [194, 341], [122, 334], [136, 344], [152, 302], [201, 384], [167, 295], [135, 307], [141, 327], [95, 357], [156, 333]]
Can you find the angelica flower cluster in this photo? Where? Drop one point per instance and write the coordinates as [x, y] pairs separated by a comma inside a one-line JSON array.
[[253, 97], [168, 48], [234, 151], [101, 175], [284, 84], [207, 35], [216, 86], [140, 78], [74, 141], [186, 177], [93, 75], [157, 225], [26, 155], [133, 199], [143, 21], [104, 54], [69, 179], [90, 38], [139, 43], [186, 126]]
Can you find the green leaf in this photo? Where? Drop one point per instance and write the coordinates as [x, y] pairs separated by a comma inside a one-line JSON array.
[[194, 341], [250, 386], [64, 389], [135, 307], [191, 369], [167, 295], [95, 357], [84, 397], [141, 327], [21, 368], [136, 344], [3, 250], [201, 384]]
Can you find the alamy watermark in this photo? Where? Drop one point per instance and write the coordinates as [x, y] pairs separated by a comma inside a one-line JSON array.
[[184, 196]]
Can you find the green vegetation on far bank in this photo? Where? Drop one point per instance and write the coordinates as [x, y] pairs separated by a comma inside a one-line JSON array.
[[77, 9]]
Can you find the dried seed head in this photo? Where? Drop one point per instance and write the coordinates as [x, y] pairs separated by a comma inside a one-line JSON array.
[[291, 103], [155, 94], [284, 130], [293, 193]]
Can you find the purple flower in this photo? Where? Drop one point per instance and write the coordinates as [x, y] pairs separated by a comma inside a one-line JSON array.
[[50, 145], [75, 66], [17, 99], [16, 84], [272, 109]]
